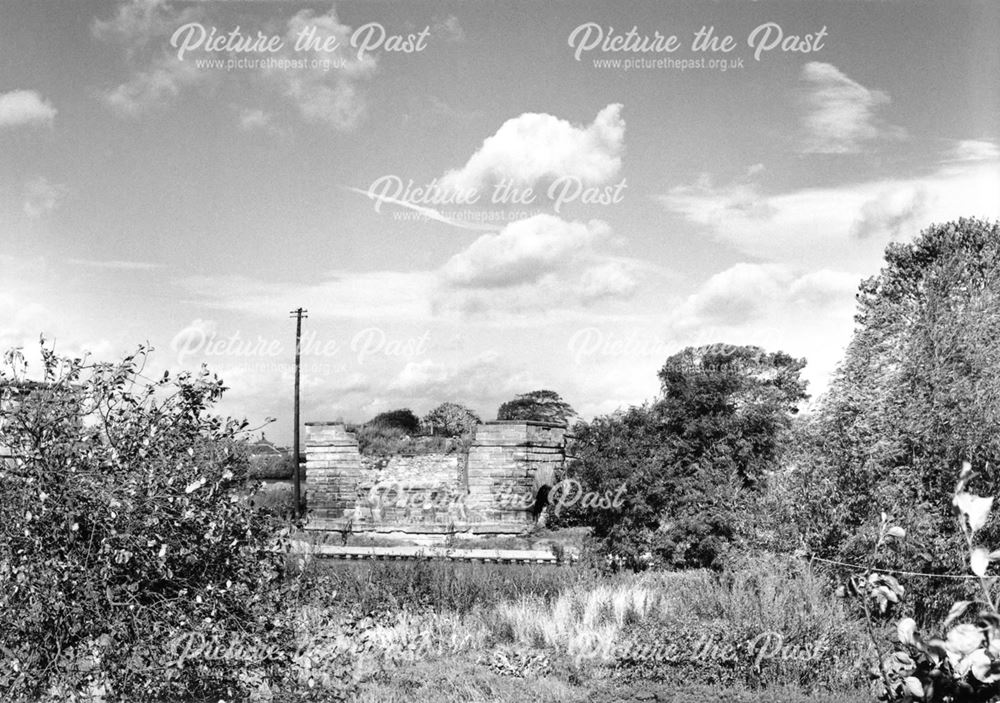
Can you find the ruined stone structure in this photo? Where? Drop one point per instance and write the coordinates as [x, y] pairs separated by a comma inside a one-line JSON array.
[[491, 490]]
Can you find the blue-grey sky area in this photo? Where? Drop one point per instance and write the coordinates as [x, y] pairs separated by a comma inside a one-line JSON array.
[[474, 199]]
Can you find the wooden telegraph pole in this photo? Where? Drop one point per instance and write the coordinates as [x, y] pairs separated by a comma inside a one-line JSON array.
[[296, 480]]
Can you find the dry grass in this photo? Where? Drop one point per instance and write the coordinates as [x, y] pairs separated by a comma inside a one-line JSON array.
[[436, 623]]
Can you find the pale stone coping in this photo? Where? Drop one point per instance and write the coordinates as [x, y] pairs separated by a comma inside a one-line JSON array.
[[458, 528], [331, 550], [534, 423]]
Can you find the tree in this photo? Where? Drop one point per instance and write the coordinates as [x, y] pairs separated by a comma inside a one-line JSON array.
[[542, 405], [121, 528], [917, 394], [694, 461], [402, 419], [452, 420]]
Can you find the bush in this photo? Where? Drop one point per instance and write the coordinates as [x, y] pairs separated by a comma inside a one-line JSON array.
[[403, 420], [692, 466], [452, 420], [121, 528], [917, 390]]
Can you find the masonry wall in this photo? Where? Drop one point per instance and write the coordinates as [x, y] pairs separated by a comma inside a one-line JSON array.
[[333, 469], [508, 462], [494, 484], [420, 489]]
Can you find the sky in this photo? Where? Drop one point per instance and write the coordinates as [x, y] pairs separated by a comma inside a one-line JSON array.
[[474, 199]]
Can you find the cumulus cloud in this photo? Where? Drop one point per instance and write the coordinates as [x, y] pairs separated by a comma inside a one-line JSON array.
[[329, 93], [841, 114], [330, 96], [486, 376], [539, 265], [41, 197], [975, 150], [142, 29], [153, 87], [523, 252], [537, 146], [804, 313], [846, 226], [747, 292], [892, 214], [20, 108]]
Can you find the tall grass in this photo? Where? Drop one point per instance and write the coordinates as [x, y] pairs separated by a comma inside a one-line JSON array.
[[439, 586], [593, 624]]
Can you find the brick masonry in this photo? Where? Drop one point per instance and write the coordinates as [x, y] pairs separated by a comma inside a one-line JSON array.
[[494, 484]]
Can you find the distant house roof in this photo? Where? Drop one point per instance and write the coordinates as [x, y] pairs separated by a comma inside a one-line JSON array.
[[265, 447]]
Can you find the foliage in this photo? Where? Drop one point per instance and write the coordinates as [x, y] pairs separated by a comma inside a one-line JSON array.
[[452, 420], [439, 586], [962, 665], [918, 389], [542, 405], [402, 419], [121, 528], [385, 442], [381, 441], [275, 467], [693, 462]]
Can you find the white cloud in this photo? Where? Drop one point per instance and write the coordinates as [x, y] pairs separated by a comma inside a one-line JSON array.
[[20, 108], [804, 313], [329, 93], [484, 381], [137, 23], [448, 29], [539, 266], [523, 252], [841, 113], [329, 96], [537, 146], [542, 265], [142, 28], [116, 264], [153, 87], [345, 294], [747, 292], [975, 150], [41, 197], [845, 226], [254, 118]]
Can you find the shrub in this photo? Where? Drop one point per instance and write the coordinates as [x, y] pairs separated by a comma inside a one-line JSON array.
[[693, 464], [121, 528], [402, 419], [963, 664], [917, 390], [452, 420]]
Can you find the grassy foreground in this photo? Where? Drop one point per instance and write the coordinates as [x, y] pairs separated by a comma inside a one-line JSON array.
[[767, 630]]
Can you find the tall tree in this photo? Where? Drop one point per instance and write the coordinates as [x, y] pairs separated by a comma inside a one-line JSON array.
[[917, 393], [452, 420], [547, 406], [692, 462]]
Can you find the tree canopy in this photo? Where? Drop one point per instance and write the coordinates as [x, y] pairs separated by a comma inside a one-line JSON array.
[[692, 460], [452, 420], [918, 392], [401, 419], [542, 405]]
